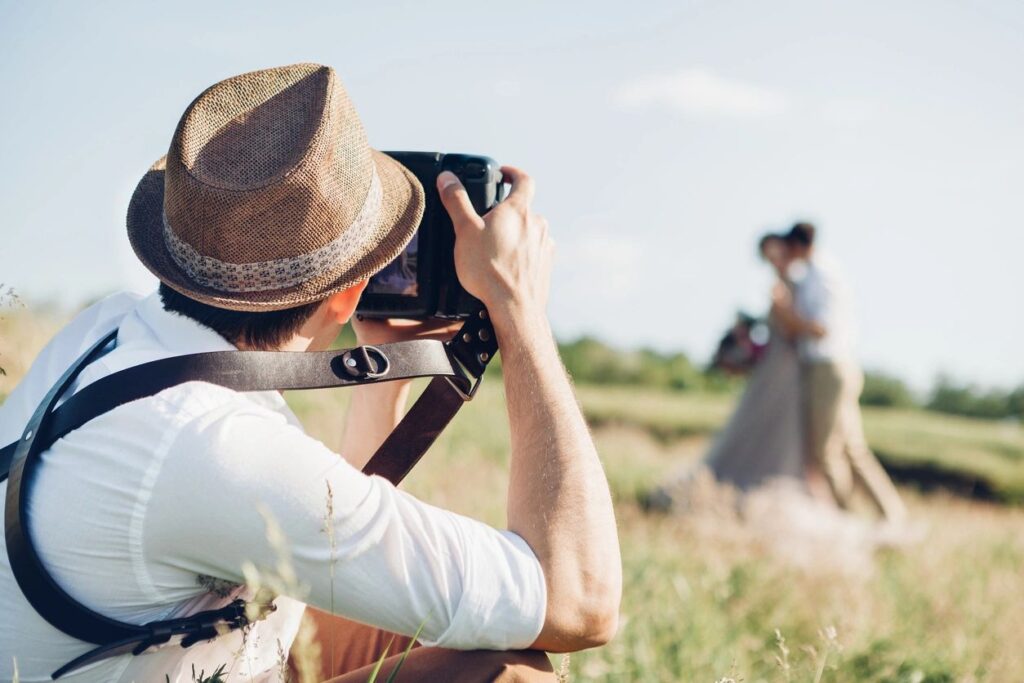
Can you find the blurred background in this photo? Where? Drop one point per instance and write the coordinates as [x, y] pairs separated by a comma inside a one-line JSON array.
[[665, 138]]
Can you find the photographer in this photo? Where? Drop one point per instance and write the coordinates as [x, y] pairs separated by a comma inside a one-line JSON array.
[[263, 224]]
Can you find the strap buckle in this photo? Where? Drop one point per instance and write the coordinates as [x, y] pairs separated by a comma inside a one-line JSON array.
[[365, 362], [465, 396], [185, 631], [471, 350]]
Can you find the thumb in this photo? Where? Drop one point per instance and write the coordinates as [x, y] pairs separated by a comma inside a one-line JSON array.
[[456, 200]]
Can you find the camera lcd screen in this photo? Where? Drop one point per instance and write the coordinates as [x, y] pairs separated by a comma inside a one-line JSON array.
[[399, 276]]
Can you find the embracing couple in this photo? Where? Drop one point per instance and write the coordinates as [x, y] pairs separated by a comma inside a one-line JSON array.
[[799, 417]]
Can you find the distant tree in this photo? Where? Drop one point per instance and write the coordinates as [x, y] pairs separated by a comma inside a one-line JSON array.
[[960, 399], [1015, 402], [594, 362], [881, 389]]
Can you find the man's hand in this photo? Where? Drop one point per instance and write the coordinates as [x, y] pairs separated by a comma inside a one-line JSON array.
[[504, 257], [558, 497]]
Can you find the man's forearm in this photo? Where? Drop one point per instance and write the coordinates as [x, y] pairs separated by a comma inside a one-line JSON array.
[[377, 408], [559, 500], [372, 415], [796, 326]]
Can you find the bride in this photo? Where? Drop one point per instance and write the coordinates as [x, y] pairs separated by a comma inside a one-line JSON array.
[[763, 439]]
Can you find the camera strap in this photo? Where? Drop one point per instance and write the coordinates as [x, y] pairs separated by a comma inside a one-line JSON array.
[[457, 367]]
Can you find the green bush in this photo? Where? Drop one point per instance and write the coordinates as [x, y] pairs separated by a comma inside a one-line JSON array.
[[593, 362], [960, 399], [885, 390]]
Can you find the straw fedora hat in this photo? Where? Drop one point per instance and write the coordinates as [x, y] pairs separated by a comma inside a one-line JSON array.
[[270, 196]]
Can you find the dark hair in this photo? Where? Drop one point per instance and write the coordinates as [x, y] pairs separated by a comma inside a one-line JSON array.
[[255, 330], [801, 234], [766, 238]]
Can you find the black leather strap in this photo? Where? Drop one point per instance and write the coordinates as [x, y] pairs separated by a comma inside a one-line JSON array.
[[6, 455], [240, 371], [473, 347], [244, 371], [419, 428]]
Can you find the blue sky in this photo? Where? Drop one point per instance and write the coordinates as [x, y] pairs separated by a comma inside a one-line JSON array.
[[664, 136]]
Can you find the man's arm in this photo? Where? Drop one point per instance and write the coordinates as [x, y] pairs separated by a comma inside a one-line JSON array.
[[376, 409], [796, 326], [793, 324], [558, 498]]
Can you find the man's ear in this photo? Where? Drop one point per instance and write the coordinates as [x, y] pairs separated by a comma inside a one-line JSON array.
[[342, 305]]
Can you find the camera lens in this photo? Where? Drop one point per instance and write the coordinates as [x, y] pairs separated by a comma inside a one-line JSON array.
[[475, 170]]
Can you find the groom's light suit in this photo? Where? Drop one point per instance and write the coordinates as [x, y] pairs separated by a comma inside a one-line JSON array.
[[831, 387]]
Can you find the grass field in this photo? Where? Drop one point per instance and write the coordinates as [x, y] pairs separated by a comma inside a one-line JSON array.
[[705, 595], [710, 598]]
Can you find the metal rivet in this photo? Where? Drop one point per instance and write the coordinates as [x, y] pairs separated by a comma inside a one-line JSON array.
[[351, 362], [484, 357], [483, 314], [484, 334], [467, 337]]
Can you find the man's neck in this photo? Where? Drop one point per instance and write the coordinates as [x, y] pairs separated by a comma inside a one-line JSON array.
[[315, 335]]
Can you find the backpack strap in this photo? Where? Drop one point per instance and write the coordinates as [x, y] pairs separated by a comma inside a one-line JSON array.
[[456, 366]]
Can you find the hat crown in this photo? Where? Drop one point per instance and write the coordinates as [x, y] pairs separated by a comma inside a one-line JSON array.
[[251, 130], [266, 166]]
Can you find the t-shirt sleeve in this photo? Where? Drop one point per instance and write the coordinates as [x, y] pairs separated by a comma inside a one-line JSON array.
[[367, 551]]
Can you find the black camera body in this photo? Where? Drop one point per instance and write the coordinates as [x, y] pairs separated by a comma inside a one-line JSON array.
[[421, 283]]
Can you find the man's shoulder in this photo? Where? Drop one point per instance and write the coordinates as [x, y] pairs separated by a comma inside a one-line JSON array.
[[192, 400], [200, 417]]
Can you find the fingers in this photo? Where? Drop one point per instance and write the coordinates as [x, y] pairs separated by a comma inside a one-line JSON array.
[[456, 200], [522, 186]]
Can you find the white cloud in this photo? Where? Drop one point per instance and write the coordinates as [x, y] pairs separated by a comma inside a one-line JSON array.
[[600, 266], [597, 282], [700, 92]]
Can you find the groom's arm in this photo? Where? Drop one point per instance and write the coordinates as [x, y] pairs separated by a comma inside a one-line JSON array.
[[793, 324], [796, 326]]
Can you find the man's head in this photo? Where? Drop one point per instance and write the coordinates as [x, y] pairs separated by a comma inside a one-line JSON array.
[[800, 240], [270, 202]]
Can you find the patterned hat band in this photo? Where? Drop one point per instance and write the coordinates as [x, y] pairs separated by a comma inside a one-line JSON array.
[[283, 272]]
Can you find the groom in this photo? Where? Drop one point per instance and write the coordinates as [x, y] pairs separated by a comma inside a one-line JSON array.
[[817, 314]]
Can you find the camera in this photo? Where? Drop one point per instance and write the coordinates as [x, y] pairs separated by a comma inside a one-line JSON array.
[[421, 283]]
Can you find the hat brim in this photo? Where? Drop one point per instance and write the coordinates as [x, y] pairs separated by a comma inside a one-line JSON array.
[[400, 215]]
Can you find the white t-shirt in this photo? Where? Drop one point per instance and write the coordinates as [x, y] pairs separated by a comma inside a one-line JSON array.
[[821, 295], [152, 510]]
